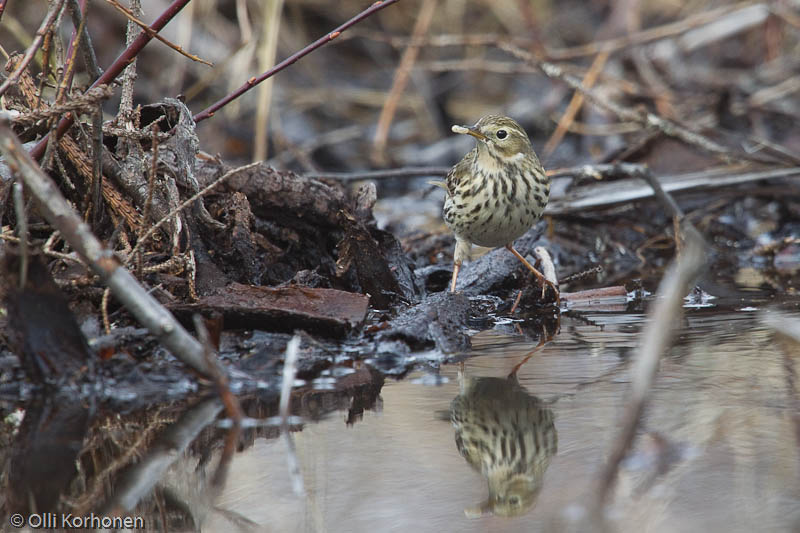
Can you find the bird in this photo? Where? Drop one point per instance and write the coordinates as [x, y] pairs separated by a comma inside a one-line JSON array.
[[496, 192], [506, 434]]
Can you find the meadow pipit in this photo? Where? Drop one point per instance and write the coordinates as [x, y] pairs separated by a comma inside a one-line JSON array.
[[496, 192]]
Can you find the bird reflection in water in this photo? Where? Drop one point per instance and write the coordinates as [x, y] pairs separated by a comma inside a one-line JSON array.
[[506, 434]]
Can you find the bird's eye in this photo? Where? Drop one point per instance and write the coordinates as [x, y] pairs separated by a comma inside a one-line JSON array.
[[501, 134]]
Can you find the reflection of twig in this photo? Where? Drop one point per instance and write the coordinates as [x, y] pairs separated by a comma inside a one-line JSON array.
[[783, 323], [788, 327], [289, 370], [140, 479], [400, 80], [229, 400]]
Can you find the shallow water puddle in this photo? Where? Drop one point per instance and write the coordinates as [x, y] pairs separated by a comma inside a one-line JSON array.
[[718, 450]]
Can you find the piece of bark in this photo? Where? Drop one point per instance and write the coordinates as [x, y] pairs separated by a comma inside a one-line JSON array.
[[325, 311]]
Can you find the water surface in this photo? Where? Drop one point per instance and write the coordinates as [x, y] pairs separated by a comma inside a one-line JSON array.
[[717, 451]]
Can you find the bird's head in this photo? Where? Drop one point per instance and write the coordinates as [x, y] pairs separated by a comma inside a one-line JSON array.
[[501, 136]]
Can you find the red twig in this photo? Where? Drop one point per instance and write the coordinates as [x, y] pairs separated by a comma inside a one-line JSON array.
[[328, 37], [118, 66]]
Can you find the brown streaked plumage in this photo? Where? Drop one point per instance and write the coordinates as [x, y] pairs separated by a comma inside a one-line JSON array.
[[509, 436], [496, 192]]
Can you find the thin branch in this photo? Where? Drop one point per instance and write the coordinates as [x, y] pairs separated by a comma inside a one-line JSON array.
[[52, 15], [574, 105], [603, 194], [113, 71], [78, 103], [581, 172], [75, 44], [22, 233], [322, 41], [154, 34], [408, 172], [667, 127], [79, 13]]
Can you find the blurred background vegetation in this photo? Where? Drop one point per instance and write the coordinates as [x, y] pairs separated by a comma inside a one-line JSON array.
[[373, 98]]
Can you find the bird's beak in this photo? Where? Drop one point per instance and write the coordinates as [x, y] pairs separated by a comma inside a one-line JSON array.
[[470, 131]]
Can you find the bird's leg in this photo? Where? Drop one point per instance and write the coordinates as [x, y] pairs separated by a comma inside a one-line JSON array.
[[463, 247], [456, 268], [535, 272]]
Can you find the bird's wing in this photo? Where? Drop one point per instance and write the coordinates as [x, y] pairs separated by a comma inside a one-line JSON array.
[[459, 172], [438, 183]]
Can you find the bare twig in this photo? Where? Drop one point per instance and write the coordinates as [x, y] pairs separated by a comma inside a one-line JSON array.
[[667, 127], [22, 233], [77, 103], [79, 14], [574, 105], [665, 198], [154, 34], [104, 311], [125, 116], [322, 41], [75, 44], [409, 172], [96, 188], [57, 211], [603, 194], [151, 183], [122, 61], [52, 15], [657, 334]]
